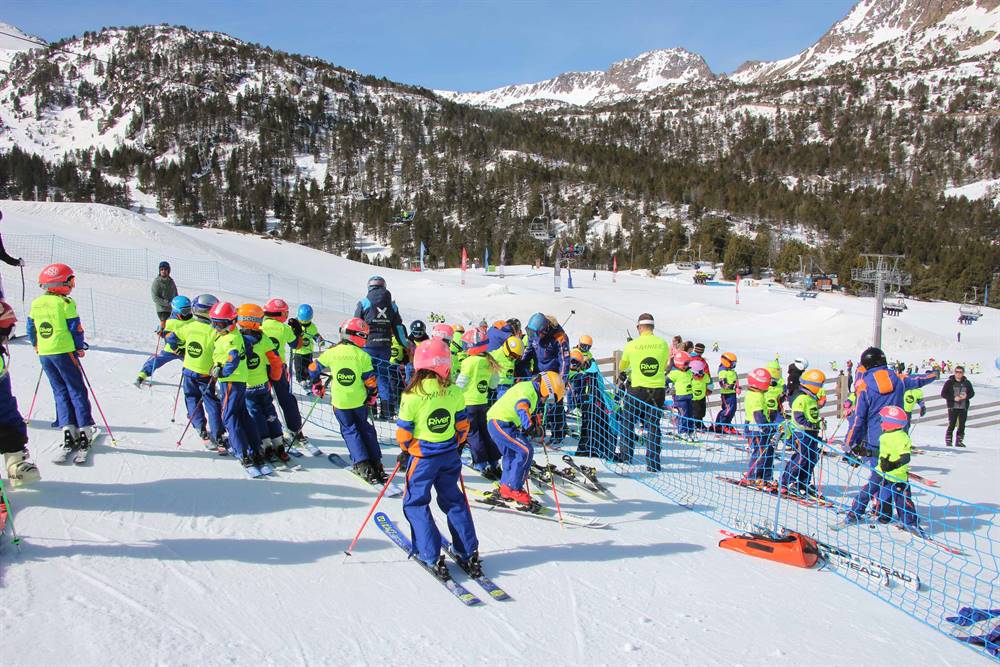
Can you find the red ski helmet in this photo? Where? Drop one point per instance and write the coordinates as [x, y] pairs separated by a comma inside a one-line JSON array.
[[354, 330], [57, 279], [759, 379], [276, 309]]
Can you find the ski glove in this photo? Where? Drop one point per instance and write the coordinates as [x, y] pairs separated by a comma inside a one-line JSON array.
[[318, 389], [296, 327], [215, 372]]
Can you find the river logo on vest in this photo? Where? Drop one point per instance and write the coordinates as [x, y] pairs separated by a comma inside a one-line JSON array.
[[45, 330], [253, 361], [649, 367], [194, 349], [346, 377], [439, 421], [482, 386]]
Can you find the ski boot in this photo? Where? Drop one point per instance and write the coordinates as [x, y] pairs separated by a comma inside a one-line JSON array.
[[492, 472], [439, 569], [20, 471], [960, 441], [519, 496], [250, 467], [140, 380], [70, 434], [472, 565]]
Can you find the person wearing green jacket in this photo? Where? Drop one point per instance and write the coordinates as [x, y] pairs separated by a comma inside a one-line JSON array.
[[479, 374], [643, 365]]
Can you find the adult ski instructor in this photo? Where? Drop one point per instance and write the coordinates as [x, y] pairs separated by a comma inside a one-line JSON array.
[[163, 290], [379, 311]]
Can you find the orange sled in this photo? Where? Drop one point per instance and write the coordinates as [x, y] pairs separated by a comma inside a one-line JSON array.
[[792, 549]]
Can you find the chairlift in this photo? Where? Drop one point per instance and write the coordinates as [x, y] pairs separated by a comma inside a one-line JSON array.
[[539, 228], [807, 294], [405, 216], [969, 313], [893, 307]]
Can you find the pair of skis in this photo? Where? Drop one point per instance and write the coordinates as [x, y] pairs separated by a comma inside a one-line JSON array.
[[772, 489], [394, 490], [463, 594], [78, 455]]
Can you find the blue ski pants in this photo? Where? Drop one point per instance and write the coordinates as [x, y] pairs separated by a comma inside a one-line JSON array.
[[243, 438], [261, 410], [68, 389], [517, 452], [203, 406], [440, 472], [289, 406], [483, 449], [358, 434]]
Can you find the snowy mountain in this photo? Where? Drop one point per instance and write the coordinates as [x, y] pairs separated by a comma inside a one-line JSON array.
[[882, 34], [12, 42], [647, 72]]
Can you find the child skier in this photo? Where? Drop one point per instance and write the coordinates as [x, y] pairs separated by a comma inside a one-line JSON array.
[[180, 314], [431, 430], [303, 355], [758, 419], [285, 336], [13, 430], [55, 331], [701, 388], [353, 393], [805, 425], [478, 374], [729, 387], [230, 370], [506, 357], [197, 338], [680, 379], [263, 367], [511, 422], [891, 484]]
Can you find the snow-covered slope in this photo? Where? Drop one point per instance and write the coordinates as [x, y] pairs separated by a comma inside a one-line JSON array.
[[892, 33], [647, 72], [164, 554], [12, 42]]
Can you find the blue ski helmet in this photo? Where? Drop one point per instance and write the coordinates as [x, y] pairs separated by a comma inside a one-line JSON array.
[[305, 313], [376, 281], [202, 305], [537, 323], [181, 305]]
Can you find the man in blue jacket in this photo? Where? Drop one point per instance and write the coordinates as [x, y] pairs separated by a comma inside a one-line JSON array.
[[875, 389], [548, 345], [384, 323]]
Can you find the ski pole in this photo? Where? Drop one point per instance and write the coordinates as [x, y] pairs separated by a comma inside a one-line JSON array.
[[156, 353], [10, 516], [552, 475], [96, 402], [315, 402], [569, 317], [22, 286], [177, 398], [191, 417], [34, 396], [372, 510]]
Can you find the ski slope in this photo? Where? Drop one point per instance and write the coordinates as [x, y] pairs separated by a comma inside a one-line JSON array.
[[162, 554]]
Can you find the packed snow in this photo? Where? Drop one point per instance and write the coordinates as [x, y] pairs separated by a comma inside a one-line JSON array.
[[162, 554]]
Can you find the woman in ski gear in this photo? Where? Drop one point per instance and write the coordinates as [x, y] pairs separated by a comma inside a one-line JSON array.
[[957, 392], [197, 338], [163, 289], [431, 430], [353, 394], [479, 374], [512, 420], [55, 331]]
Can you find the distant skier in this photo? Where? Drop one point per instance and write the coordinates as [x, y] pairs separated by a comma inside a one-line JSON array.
[[163, 289], [431, 430], [55, 331], [379, 311]]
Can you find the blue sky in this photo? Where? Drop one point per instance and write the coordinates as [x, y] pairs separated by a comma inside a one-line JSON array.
[[467, 45]]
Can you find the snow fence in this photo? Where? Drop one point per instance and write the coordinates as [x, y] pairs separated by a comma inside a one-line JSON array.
[[952, 566]]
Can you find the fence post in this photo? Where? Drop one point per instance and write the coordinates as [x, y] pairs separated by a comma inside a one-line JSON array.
[[93, 310], [841, 395], [617, 356], [146, 259], [52, 248]]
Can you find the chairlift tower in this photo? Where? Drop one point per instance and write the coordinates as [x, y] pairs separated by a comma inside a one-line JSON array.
[[879, 270]]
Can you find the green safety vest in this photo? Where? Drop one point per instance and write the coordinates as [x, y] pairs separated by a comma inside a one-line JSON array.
[[804, 404], [309, 334], [646, 360], [893, 445], [728, 376], [49, 313], [347, 364], [232, 340], [756, 401], [174, 325], [199, 345], [281, 334], [477, 371], [505, 409], [506, 364], [257, 363], [432, 410], [682, 381], [699, 387]]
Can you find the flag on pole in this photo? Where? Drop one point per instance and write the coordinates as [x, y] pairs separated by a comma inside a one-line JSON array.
[[465, 261], [486, 260], [422, 251], [614, 268]]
